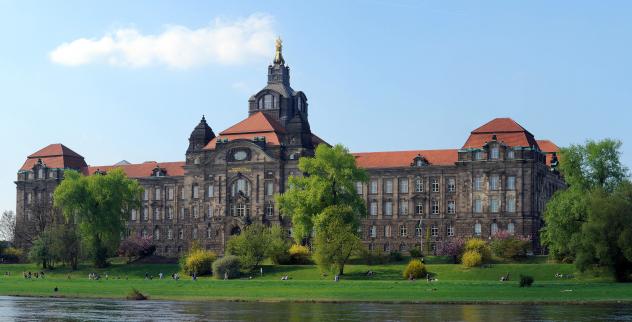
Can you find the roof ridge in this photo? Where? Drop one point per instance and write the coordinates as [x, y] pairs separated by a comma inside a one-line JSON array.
[[271, 125]]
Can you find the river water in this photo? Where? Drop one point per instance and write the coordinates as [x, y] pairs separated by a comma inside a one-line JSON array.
[[37, 309]]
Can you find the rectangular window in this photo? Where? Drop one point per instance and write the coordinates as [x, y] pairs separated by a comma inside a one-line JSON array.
[[420, 208], [435, 207], [451, 184], [403, 185], [418, 230], [181, 212], [511, 183], [387, 231], [196, 191], [169, 213], [450, 229], [359, 187], [169, 233], [145, 214], [209, 212], [494, 182], [478, 183], [478, 155], [29, 198], [388, 185], [182, 193], [269, 188], [195, 212], [373, 210], [434, 230], [451, 206], [494, 205], [477, 229], [403, 231], [210, 191], [157, 193], [170, 193], [511, 204], [510, 154], [181, 234], [388, 208], [478, 205], [403, 207], [157, 214], [495, 153], [435, 185], [133, 214], [419, 185], [145, 194], [270, 209], [373, 186], [373, 231]]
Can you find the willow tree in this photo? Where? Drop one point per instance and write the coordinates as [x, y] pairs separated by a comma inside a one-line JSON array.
[[325, 200], [99, 204]]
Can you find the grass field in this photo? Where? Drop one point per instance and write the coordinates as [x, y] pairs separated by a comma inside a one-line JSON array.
[[455, 284]]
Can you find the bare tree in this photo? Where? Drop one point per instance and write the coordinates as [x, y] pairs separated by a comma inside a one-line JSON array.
[[7, 225], [42, 215]]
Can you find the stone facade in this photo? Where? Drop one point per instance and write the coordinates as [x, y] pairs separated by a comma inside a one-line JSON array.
[[499, 180]]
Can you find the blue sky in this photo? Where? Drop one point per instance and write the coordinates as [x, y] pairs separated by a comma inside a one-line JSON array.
[[379, 75]]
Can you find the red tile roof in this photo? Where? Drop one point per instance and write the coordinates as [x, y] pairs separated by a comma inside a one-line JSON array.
[[56, 156], [396, 159], [258, 124], [506, 130], [549, 148], [142, 169]]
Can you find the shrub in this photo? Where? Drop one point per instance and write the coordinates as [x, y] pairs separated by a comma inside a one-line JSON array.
[[472, 258], [228, 265], [526, 280], [198, 261], [396, 256], [507, 246], [136, 295], [415, 253], [415, 268], [11, 254], [278, 246], [299, 254], [480, 246], [136, 247], [374, 257]]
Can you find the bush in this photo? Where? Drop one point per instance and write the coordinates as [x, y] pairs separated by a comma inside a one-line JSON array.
[[228, 265], [199, 261], [396, 256], [415, 268], [472, 258], [278, 246], [299, 254], [507, 246], [526, 281], [374, 257], [415, 253], [480, 246], [136, 247], [11, 254], [136, 295]]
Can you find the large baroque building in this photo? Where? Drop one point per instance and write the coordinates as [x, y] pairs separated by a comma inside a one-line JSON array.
[[500, 179]]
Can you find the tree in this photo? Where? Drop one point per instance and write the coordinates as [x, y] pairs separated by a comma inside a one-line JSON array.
[[606, 237], [65, 244], [329, 180], [594, 165], [100, 204], [255, 243], [336, 238], [41, 251], [7, 226]]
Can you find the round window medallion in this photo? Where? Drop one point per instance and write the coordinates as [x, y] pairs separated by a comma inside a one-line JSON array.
[[240, 155]]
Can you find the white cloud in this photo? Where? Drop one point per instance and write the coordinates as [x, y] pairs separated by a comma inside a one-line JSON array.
[[222, 42]]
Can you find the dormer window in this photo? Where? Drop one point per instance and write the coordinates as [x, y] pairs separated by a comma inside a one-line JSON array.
[[419, 161], [510, 154], [300, 104], [266, 102], [478, 155], [40, 173], [159, 172]]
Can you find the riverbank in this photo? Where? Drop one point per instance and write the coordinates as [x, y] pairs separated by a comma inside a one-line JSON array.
[[306, 285]]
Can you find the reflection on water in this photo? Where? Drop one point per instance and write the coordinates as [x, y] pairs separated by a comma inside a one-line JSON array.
[[35, 309]]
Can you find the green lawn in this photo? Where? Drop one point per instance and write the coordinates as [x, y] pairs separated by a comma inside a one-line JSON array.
[[455, 284]]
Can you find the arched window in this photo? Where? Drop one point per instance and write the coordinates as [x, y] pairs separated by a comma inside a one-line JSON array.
[[477, 229], [266, 102], [240, 185]]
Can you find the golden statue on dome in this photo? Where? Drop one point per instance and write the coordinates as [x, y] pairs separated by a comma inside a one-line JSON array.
[[278, 56]]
